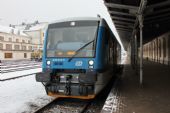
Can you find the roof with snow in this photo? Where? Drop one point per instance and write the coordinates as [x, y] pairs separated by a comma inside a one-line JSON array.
[[31, 26], [10, 30]]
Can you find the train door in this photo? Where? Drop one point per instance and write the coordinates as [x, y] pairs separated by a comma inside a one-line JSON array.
[[105, 48], [110, 51]]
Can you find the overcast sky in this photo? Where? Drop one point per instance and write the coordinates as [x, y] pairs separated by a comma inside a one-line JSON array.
[[18, 11]]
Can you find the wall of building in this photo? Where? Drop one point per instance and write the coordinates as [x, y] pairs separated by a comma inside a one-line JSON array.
[[158, 50], [14, 47]]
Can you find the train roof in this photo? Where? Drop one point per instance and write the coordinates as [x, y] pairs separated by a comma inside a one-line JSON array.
[[77, 19]]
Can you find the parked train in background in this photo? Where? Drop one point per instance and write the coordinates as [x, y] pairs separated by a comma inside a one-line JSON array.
[[79, 58], [158, 50]]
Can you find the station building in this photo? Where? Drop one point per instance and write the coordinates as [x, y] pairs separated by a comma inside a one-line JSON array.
[[37, 37], [14, 44], [20, 42], [158, 49]]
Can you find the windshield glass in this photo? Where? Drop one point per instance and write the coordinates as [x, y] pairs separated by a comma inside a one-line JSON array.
[[64, 39]]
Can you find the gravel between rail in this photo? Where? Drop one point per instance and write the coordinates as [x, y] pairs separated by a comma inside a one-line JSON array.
[[65, 106]]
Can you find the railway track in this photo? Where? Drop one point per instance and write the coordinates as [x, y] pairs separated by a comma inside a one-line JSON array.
[[65, 106], [12, 78], [76, 105], [18, 69], [17, 66], [22, 68]]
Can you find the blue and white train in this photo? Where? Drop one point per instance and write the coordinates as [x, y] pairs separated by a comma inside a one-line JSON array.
[[79, 58]]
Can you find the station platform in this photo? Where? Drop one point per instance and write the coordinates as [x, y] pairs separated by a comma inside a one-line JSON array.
[[129, 97]]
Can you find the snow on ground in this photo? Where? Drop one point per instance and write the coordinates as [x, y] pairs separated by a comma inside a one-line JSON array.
[[22, 95], [19, 73]]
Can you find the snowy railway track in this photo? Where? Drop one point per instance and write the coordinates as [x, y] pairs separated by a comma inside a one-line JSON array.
[[79, 106], [19, 69], [17, 77], [65, 106], [19, 65], [14, 70]]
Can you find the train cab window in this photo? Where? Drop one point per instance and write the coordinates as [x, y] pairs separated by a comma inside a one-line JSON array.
[[64, 40]]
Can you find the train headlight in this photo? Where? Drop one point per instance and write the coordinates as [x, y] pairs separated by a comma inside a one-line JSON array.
[[48, 62], [91, 62]]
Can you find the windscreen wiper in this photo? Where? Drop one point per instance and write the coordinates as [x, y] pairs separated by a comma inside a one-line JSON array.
[[76, 52]]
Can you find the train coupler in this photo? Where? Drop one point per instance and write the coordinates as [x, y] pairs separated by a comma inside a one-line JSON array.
[[68, 85]]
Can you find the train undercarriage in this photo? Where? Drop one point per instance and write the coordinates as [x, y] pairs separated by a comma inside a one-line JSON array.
[[83, 84]]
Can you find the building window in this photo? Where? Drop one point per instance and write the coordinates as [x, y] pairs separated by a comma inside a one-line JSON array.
[[8, 46], [10, 39], [17, 40], [16, 47], [23, 41], [169, 45], [35, 47], [25, 55], [8, 55], [23, 47], [30, 47], [29, 41], [1, 38], [1, 46]]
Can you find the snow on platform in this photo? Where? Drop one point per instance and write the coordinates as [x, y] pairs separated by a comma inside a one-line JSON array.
[[22, 95]]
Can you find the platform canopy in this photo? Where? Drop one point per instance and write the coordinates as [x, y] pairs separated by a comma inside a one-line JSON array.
[[124, 13]]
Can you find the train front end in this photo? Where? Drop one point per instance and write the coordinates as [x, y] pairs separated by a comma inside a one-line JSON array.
[[69, 59]]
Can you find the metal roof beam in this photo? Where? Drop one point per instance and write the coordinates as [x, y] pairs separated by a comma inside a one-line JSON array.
[[123, 30], [158, 16], [160, 4], [121, 13], [122, 22], [157, 12], [166, 20], [121, 18], [123, 26], [120, 6]]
